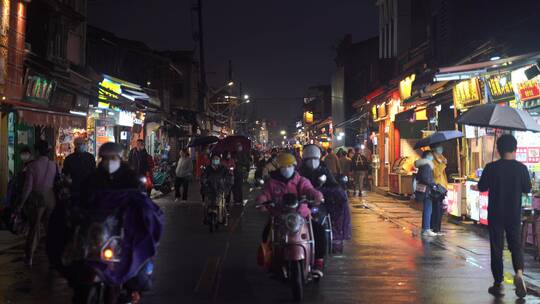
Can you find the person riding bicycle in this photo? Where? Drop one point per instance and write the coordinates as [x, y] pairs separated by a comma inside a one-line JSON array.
[[286, 180], [216, 179]]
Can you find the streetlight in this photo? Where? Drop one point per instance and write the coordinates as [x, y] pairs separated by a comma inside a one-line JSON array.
[[231, 83], [248, 101], [246, 97], [284, 137], [283, 132]]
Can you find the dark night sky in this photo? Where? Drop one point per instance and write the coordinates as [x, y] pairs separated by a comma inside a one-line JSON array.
[[278, 47]]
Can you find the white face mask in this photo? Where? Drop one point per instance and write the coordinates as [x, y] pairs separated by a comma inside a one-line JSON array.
[[113, 166], [287, 172], [313, 163], [439, 150]]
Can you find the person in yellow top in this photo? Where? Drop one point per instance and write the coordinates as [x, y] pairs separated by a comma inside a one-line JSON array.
[[439, 175]]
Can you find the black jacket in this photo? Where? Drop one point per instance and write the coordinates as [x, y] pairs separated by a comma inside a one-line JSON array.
[[138, 161], [424, 176], [216, 179], [99, 180], [79, 166], [313, 176], [359, 163]]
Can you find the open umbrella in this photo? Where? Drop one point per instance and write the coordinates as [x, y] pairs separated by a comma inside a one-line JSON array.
[[495, 116], [230, 143], [203, 141], [438, 137]]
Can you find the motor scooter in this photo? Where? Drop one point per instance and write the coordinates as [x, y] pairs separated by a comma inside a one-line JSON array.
[[163, 177], [292, 243], [100, 259]]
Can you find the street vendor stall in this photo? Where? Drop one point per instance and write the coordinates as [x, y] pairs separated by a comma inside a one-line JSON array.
[[401, 176]]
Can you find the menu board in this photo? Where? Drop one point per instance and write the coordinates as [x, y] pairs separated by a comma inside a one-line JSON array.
[[528, 149]]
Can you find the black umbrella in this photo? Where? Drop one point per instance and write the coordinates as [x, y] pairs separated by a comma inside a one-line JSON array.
[[438, 137], [203, 141], [495, 116]]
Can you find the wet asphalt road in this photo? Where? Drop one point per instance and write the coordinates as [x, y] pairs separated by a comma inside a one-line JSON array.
[[384, 263]]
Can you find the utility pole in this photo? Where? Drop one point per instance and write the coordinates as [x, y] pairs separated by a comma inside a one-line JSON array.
[[231, 100], [203, 86]]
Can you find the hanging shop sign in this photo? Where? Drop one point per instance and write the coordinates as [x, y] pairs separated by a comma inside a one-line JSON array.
[[308, 117], [467, 93], [405, 87], [109, 89], [39, 89], [500, 86], [528, 90]]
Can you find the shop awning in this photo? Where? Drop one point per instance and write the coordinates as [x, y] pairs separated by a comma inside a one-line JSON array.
[[50, 118], [467, 71]]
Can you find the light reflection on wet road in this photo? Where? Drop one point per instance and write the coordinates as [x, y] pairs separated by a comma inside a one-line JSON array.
[[384, 263]]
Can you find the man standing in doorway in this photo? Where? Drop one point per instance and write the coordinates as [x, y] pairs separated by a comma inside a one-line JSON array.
[[506, 180]]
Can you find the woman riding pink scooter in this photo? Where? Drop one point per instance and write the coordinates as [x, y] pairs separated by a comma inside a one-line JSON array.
[[287, 181]]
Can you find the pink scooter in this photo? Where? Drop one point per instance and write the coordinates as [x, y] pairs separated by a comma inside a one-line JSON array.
[[292, 243]]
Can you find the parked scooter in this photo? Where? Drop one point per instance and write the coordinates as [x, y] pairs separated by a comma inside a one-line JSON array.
[[163, 177], [292, 243]]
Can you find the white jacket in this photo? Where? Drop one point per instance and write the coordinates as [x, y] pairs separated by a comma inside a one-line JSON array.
[[184, 168]]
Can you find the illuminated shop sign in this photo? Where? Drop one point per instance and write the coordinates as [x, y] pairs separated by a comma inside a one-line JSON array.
[[308, 117], [528, 90], [500, 86], [109, 89], [467, 93], [405, 87], [39, 89]]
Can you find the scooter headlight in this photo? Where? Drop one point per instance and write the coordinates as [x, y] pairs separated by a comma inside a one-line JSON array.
[[111, 250], [293, 222]]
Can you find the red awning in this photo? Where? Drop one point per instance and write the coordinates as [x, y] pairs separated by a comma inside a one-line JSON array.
[[52, 119]]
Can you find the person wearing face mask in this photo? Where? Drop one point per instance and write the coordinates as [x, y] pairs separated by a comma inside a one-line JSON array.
[[439, 174], [313, 169], [215, 179], [337, 202], [261, 163], [115, 186], [111, 173], [424, 182], [79, 165], [287, 180]]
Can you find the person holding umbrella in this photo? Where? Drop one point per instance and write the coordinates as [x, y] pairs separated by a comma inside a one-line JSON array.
[[425, 182], [439, 175], [506, 180]]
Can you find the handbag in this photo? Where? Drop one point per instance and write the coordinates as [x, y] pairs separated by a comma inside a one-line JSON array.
[[438, 192], [18, 223]]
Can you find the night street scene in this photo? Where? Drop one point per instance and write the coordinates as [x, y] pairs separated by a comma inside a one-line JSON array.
[[231, 152]]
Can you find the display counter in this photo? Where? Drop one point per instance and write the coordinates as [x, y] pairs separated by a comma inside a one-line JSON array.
[[401, 176], [476, 203]]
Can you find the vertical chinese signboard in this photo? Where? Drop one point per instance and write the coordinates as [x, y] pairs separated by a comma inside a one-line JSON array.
[[467, 93]]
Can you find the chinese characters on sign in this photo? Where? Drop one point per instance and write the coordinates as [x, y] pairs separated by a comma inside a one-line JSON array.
[[528, 90], [467, 93], [528, 155], [500, 86]]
